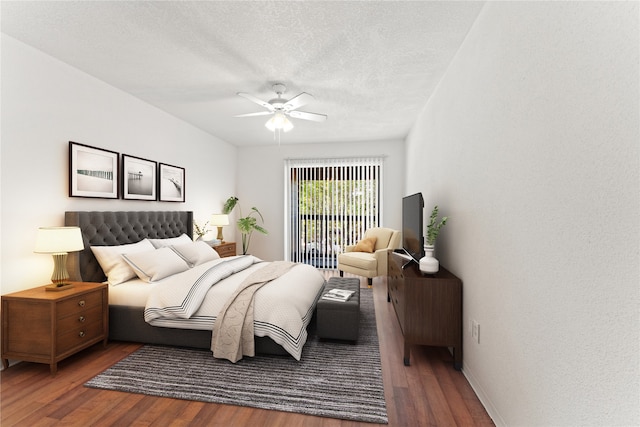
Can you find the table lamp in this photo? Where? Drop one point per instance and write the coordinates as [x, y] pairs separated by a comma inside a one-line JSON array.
[[219, 220], [59, 241]]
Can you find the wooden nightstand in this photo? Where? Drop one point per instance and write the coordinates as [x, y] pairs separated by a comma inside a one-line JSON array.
[[226, 249], [46, 327]]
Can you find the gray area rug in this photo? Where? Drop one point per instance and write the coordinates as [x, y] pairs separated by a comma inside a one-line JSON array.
[[332, 379]]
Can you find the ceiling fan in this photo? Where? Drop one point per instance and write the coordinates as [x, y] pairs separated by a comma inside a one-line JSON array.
[[280, 108]]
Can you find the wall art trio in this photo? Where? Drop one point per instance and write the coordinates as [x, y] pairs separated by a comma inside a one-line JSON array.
[[95, 172]]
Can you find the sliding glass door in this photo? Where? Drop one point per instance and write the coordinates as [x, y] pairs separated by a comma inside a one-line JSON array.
[[330, 203]]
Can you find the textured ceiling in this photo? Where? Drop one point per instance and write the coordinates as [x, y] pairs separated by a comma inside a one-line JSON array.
[[371, 66]]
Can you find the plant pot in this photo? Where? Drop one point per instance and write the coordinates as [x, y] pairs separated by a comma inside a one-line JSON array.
[[429, 264]]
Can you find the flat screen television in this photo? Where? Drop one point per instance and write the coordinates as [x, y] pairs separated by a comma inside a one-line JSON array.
[[412, 226]]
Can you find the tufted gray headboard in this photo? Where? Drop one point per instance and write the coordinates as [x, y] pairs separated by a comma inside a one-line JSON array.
[[114, 228]]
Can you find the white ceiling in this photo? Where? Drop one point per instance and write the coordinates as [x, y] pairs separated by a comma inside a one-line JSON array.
[[371, 66]]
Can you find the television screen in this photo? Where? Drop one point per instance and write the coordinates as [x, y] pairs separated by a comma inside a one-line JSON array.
[[412, 226]]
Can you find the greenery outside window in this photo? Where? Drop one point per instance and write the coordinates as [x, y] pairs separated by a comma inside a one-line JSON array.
[[330, 204]]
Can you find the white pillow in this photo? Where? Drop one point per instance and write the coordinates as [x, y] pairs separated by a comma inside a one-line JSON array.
[[161, 243], [110, 259], [157, 264], [196, 253]]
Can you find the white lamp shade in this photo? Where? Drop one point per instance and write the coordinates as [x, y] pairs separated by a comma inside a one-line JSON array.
[[219, 220], [56, 240]]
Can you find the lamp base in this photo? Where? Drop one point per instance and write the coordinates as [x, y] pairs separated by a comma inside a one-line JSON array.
[[57, 287]]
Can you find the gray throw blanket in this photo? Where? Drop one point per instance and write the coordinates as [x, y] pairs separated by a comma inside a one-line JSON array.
[[233, 330]]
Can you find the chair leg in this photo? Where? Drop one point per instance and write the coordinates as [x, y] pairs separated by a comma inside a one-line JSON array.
[[341, 273], [369, 281]]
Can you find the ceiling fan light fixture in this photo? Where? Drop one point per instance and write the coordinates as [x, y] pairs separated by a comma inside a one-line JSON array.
[[279, 122], [281, 109]]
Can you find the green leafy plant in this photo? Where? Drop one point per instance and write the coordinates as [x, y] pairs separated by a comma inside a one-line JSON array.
[[433, 227], [229, 205], [247, 224]]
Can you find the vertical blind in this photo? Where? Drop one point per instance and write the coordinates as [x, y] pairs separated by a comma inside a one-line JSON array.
[[329, 203]]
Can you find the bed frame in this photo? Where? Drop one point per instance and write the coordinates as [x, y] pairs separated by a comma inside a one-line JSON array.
[[114, 228]]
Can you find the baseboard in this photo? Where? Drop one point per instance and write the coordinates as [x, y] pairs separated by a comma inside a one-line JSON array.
[[482, 396], [11, 363]]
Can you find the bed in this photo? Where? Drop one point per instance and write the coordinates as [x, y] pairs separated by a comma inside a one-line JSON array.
[[127, 311]]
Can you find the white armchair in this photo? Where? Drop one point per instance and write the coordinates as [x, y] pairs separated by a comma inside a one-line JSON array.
[[370, 264]]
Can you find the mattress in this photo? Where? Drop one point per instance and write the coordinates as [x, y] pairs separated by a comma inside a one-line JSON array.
[[133, 293]]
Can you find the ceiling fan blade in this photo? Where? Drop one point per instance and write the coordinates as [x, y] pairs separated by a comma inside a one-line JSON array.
[[308, 116], [256, 100], [298, 101], [261, 113]]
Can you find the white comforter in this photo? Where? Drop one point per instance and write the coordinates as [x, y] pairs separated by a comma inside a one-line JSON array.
[[282, 308]]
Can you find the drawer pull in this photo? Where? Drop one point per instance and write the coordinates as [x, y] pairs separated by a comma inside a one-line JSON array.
[[81, 303], [81, 319], [81, 334]]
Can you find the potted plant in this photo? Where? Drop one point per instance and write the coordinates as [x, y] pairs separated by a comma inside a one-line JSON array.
[[247, 224], [200, 231], [429, 264], [433, 227]]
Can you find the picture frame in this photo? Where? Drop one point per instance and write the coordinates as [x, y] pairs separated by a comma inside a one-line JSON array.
[[171, 183], [93, 172], [138, 178]]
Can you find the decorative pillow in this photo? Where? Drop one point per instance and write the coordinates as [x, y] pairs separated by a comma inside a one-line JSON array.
[[366, 245], [157, 264], [161, 243], [110, 259], [196, 253]]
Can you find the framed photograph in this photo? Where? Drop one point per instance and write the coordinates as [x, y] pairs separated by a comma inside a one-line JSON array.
[[93, 172], [138, 178], [171, 183]]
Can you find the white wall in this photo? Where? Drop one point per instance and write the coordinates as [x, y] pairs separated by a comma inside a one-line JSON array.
[[260, 178], [531, 146], [45, 104]]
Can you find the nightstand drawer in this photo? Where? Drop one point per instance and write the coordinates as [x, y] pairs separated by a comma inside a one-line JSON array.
[[77, 320], [79, 303], [226, 249], [78, 337]]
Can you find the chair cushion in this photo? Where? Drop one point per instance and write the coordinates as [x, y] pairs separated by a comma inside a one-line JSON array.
[[366, 245], [361, 260]]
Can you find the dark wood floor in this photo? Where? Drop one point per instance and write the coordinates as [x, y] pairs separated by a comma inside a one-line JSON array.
[[427, 393]]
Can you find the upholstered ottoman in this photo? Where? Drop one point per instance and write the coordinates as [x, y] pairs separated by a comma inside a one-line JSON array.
[[336, 319]]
